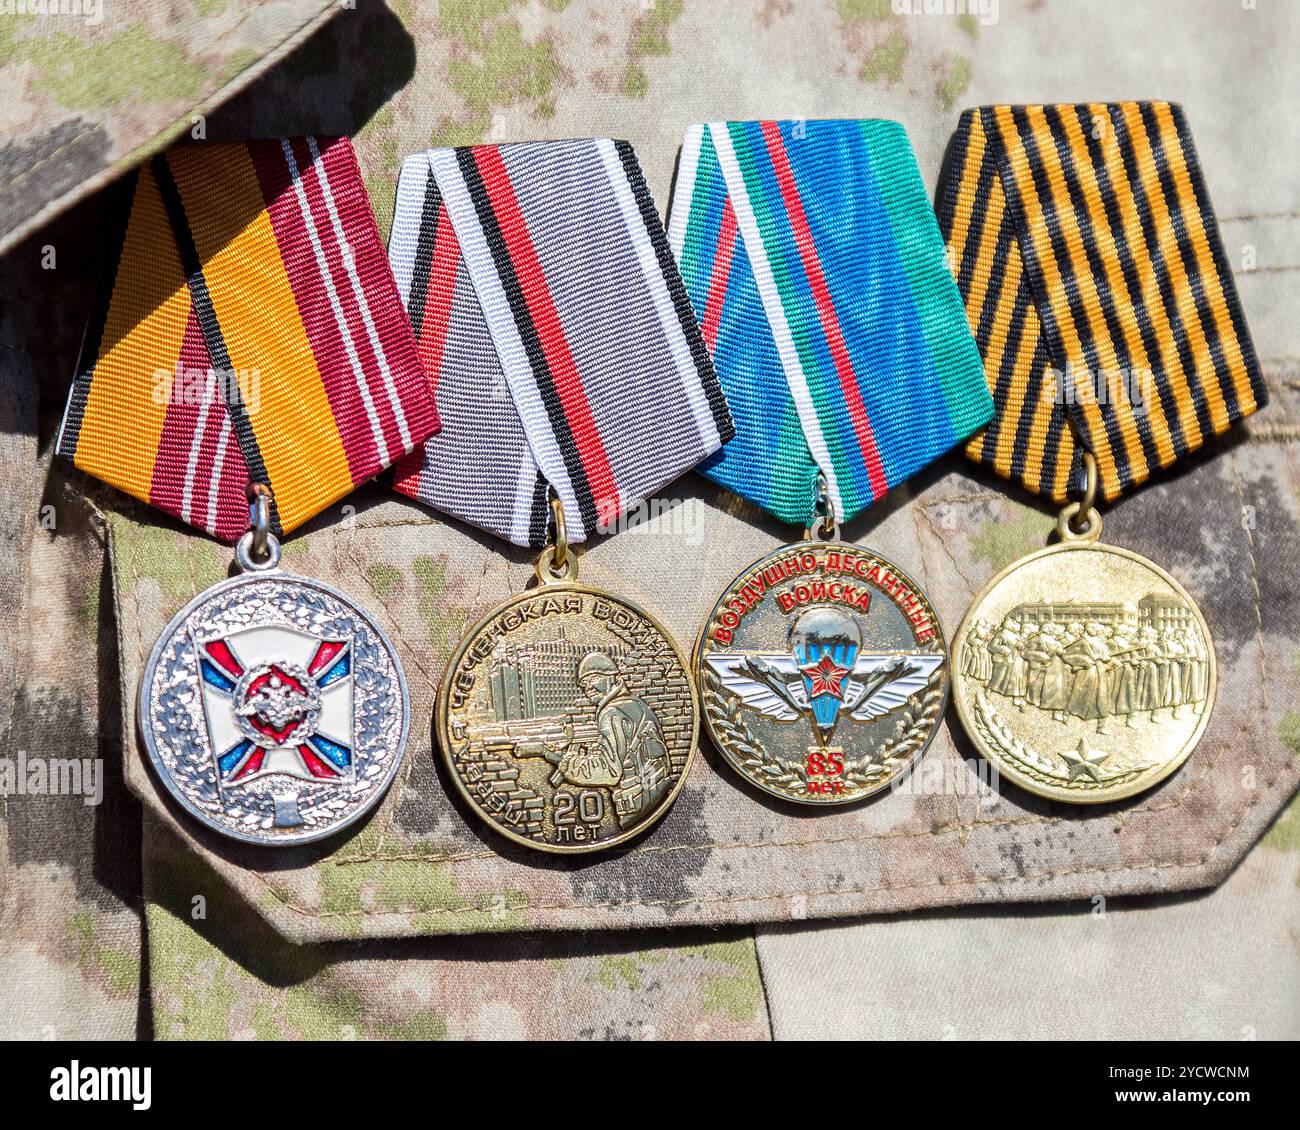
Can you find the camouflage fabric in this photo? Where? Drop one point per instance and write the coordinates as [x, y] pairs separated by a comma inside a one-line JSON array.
[[704, 927], [91, 86]]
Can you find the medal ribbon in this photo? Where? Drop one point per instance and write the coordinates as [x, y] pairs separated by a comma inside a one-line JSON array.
[[812, 258], [1097, 287], [250, 329], [552, 321]]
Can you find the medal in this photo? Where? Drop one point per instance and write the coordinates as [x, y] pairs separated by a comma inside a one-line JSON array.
[[1114, 345], [273, 708], [572, 382], [827, 637], [567, 715], [1084, 672], [814, 263], [235, 340]]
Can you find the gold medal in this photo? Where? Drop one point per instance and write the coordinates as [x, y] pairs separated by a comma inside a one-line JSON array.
[[822, 672], [1084, 672], [567, 716]]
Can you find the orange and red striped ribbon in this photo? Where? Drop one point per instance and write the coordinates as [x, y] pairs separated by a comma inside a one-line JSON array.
[[250, 329]]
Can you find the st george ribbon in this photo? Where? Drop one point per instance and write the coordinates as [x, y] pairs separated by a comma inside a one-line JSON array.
[[814, 263], [1098, 290], [573, 383], [246, 365]]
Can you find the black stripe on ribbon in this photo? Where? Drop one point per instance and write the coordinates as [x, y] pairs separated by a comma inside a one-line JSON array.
[[528, 334], [425, 240], [677, 291], [121, 200], [211, 328]]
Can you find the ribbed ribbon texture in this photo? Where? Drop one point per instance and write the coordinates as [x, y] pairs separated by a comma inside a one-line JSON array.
[[553, 324], [813, 261], [249, 329], [1097, 287]]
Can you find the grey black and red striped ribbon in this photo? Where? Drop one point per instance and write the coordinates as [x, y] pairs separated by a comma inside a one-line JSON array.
[[552, 322]]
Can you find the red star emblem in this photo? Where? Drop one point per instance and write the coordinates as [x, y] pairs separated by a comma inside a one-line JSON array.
[[825, 676]]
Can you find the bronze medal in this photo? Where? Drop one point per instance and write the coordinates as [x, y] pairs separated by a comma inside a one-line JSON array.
[[567, 715], [1084, 672]]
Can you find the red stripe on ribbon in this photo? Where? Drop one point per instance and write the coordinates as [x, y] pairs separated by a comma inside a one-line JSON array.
[[189, 386], [310, 175], [339, 164], [167, 487], [324, 334], [720, 276], [825, 308], [550, 332], [438, 298]]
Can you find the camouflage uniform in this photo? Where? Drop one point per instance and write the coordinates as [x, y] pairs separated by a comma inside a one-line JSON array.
[[412, 926]]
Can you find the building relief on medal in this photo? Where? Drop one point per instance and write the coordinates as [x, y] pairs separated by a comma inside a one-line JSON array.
[[569, 733]]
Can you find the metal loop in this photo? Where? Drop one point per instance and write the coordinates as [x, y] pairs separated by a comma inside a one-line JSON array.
[[556, 563], [1089, 531], [823, 526], [549, 572], [1089, 500], [259, 518], [1067, 524], [561, 545], [249, 561]]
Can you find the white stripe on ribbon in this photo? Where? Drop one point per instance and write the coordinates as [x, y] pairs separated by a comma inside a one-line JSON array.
[[196, 440], [345, 330], [350, 261], [219, 463], [687, 374], [795, 377], [679, 210], [408, 212], [505, 336]]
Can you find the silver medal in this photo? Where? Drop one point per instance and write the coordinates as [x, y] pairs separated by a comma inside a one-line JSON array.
[[274, 710]]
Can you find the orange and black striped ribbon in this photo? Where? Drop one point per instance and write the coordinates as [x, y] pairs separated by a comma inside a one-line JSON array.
[[1097, 287], [249, 329]]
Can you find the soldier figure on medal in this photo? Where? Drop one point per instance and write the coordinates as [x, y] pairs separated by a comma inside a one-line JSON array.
[[631, 757]]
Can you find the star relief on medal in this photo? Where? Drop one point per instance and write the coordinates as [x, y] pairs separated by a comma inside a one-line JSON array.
[[1084, 672], [822, 673]]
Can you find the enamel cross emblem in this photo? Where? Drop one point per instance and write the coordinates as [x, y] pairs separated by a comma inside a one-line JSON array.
[[273, 709]]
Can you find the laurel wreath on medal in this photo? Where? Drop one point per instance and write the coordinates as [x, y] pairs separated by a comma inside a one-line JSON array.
[[1032, 763], [910, 733]]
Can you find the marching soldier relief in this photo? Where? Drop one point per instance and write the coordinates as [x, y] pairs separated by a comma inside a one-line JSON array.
[[1084, 672]]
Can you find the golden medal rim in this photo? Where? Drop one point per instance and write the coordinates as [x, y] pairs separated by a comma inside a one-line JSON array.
[[1133, 788], [443, 709], [915, 759]]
